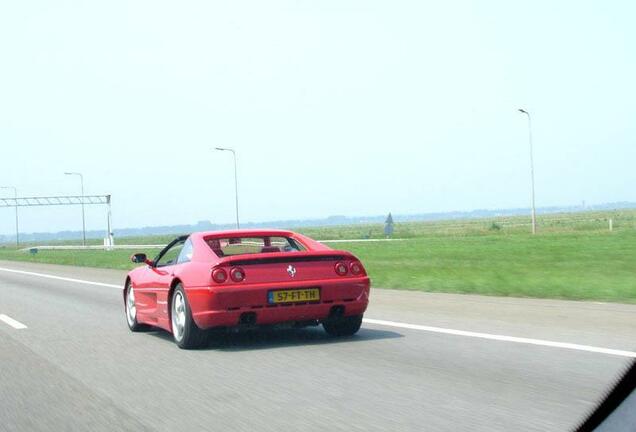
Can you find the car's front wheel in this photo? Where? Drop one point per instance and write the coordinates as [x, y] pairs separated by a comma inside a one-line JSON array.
[[185, 332], [343, 326], [131, 309]]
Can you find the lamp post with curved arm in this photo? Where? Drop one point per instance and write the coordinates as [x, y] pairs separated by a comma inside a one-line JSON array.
[[17, 229], [83, 215], [534, 217], [235, 183]]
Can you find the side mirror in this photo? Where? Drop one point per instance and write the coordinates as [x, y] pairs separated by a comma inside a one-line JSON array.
[[140, 258]]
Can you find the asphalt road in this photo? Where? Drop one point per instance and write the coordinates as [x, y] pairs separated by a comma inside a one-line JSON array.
[[77, 366]]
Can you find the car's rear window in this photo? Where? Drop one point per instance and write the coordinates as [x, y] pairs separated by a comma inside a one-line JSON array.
[[230, 246]]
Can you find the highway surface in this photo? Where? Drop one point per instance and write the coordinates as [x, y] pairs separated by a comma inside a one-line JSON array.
[[421, 362]]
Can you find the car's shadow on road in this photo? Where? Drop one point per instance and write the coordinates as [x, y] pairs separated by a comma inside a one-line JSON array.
[[256, 339]]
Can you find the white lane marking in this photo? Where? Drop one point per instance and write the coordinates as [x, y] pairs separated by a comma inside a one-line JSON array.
[[61, 278], [13, 323], [514, 339]]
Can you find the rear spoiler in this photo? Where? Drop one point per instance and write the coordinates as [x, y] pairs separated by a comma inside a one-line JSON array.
[[285, 257]]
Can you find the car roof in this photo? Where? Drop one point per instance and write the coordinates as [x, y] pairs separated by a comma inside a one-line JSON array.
[[243, 233]]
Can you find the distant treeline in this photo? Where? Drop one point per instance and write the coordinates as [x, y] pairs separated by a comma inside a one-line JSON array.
[[296, 223]]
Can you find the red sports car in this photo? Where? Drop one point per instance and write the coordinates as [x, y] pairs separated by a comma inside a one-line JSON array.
[[245, 278]]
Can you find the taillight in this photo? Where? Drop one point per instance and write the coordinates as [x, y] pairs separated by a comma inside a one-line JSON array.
[[341, 268], [237, 274], [219, 275], [356, 268]]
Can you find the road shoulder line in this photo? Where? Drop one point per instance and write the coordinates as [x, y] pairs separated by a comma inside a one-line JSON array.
[[49, 276], [503, 338]]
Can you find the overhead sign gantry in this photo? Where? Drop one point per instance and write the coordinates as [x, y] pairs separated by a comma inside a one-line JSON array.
[[65, 200]]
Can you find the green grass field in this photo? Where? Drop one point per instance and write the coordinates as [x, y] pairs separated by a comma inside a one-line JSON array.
[[573, 257], [557, 265]]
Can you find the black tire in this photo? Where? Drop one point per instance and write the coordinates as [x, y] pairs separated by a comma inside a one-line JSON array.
[[343, 326], [185, 332], [131, 310]]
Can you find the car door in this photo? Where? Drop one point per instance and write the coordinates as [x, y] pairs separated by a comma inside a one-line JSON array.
[[174, 268], [151, 296]]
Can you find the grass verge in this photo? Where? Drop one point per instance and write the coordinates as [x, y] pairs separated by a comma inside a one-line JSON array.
[[572, 264]]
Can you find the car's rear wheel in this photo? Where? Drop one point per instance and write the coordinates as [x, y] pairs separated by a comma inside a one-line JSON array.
[[184, 330], [131, 310], [343, 326]]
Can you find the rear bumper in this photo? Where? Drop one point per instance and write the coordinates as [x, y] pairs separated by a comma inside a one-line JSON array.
[[224, 306]]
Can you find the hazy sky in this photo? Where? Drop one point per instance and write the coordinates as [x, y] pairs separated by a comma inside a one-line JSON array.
[[334, 107]]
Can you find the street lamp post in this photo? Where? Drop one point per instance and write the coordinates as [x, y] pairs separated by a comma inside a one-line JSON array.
[[83, 215], [534, 216], [17, 229], [235, 183]]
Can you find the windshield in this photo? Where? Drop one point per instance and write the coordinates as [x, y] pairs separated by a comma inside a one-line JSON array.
[[230, 246]]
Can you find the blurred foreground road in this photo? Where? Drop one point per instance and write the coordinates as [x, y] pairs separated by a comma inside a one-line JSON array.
[[77, 366]]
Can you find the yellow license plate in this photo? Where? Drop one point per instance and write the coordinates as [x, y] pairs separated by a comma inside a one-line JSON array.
[[294, 296]]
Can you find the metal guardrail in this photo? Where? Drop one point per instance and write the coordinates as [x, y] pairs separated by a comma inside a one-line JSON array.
[[92, 247], [161, 246]]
